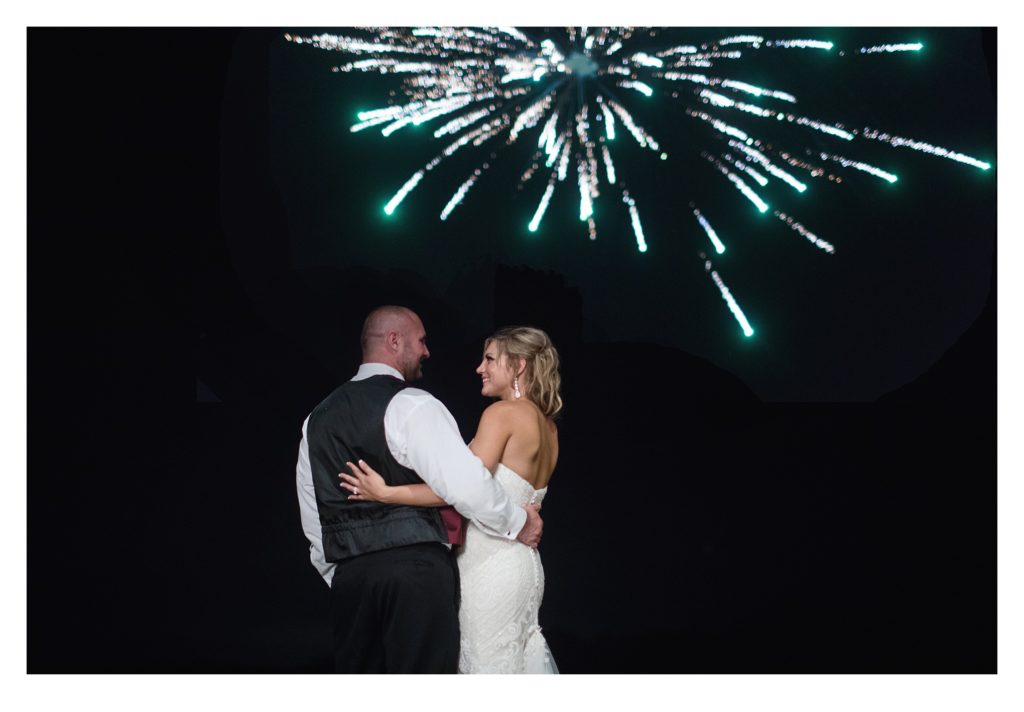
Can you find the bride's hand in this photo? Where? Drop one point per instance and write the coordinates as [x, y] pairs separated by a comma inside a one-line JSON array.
[[365, 483]]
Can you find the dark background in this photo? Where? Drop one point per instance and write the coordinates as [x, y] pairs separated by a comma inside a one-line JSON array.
[[205, 238]]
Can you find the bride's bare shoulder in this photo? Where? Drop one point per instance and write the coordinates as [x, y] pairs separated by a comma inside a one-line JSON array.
[[510, 407], [500, 409], [516, 414]]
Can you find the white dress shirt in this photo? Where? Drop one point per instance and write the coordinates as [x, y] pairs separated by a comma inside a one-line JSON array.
[[423, 436]]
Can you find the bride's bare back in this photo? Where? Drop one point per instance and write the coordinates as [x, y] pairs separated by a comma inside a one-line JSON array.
[[519, 436], [532, 448]]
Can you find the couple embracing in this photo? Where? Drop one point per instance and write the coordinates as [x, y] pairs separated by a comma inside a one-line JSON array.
[[386, 484]]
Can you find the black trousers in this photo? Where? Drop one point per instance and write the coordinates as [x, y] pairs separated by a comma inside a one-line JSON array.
[[397, 611]]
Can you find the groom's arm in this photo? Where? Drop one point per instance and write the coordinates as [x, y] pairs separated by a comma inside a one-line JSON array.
[[423, 436], [309, 514]]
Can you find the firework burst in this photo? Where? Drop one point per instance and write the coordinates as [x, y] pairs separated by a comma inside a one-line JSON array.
[[484, 88]]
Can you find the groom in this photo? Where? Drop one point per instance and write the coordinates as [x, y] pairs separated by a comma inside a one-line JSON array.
[[393, 578]]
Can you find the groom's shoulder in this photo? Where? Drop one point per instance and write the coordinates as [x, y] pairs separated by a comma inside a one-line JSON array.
[[416, 394], [410, 399]]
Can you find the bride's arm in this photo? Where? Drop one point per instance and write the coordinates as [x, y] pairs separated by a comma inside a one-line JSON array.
[[366, 485], [492, 434]]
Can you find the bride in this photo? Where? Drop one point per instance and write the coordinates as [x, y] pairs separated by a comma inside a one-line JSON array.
[[502, 581]]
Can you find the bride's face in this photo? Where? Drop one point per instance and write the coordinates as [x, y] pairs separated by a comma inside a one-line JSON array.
[[495, 374]]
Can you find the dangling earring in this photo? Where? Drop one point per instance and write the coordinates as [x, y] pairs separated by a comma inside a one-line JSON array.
[[515, 387]]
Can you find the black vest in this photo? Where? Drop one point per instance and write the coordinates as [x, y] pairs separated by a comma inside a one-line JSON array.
[[346, 427]]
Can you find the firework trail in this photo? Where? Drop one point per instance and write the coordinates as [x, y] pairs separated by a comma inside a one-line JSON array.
[[491, 87]]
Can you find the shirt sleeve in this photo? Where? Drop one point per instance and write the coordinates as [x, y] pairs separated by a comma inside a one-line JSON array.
[[308, 511], [424, 437]]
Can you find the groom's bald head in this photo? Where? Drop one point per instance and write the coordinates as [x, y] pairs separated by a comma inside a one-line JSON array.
[[383, 320], [395, 335]]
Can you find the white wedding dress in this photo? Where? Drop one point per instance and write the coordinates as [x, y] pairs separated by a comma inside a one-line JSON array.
[[502, 584]]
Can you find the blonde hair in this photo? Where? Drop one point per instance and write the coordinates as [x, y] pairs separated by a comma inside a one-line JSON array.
[[542, 378]]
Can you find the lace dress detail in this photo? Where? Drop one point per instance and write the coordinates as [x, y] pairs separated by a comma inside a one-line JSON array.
[[502, 585]]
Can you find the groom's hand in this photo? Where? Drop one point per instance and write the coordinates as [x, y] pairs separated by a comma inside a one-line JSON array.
[[531, 531]]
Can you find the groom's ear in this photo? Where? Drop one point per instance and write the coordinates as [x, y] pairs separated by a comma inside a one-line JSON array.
[[392, 338]]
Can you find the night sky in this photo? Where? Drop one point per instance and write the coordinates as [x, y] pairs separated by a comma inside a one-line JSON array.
[[913, 264], [205, 237]]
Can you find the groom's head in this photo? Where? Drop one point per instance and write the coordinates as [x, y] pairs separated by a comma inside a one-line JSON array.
[[395, 336]]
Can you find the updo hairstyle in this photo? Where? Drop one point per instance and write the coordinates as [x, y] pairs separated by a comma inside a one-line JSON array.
[[543, 381]]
